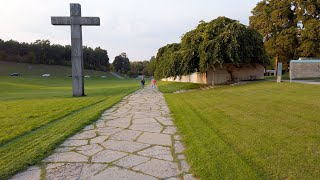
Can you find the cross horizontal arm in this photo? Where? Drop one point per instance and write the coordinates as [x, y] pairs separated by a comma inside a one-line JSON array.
[[60, 20], [88, 21]]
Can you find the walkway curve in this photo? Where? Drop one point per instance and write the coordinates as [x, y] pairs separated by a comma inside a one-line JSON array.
[[135, 139]]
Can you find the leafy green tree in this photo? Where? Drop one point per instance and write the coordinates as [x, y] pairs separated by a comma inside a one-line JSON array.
[[211, 44], [121, 63], [3, 55], [290, 28], [152, 66]]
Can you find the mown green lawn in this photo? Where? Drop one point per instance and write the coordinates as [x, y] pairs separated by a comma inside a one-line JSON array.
[[39, 113], [170, 87], [263, 130]]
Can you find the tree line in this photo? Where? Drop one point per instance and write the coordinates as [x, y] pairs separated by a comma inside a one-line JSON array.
[[43, 52], [290, 28], [123, 65], [211, 44]]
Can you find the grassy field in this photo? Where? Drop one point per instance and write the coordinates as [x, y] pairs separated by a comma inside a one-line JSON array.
[[256, 131], [39, 113], [170, 87]]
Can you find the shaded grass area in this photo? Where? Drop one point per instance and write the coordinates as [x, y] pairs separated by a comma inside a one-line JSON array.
[[256, 131], [40, 114], [170, 87]]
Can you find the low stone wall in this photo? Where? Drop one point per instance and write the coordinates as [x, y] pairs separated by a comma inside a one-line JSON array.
[[304, 69], [199, 78], [220, 75]]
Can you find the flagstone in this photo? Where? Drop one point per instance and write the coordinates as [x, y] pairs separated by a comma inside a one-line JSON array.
[[184, 166], [98, 139], [126, 135], [75, 143], [107, 156], [178, 147], [159, 168], [89, 150], [170, 130], [85, 135], [33, 173], [155, 138], [67, 157], [159, 152], [149, 127], [131, 160], [73, 171], [126, 146], [121, 174]]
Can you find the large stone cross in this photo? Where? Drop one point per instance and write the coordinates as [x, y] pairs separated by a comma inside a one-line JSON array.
[[76, 22]]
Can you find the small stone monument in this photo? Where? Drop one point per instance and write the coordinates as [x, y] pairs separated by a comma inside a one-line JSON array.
[[76, 22]]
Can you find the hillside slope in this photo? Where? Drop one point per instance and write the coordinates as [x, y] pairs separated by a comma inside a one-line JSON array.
[[25, 69]]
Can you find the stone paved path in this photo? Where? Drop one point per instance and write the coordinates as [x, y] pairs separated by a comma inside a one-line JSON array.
[[136, 139]]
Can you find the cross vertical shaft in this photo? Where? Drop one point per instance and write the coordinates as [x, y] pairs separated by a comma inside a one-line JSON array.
[[76, 52]]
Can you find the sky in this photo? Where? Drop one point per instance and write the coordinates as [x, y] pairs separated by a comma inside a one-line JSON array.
[[137, 27]]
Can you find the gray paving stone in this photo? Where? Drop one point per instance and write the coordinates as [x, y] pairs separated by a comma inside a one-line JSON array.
[[149, 127], [116, 123], [126, 146], [165, 121], [87, 128], [178, 147], [110, 131], [131, 160], [143, 121], [66, 157], [75, 143], [155, 138], [159, 152], [181, 156], [107, 156], [126, 135], [174, 178], [73, 171], [184, 166], [89, 150], [177, 137], [32, 172], [159, 168], [85, 135], [98, 139], [117, 173], [189, 177], [100, 124], [64, 149], [170, 130]]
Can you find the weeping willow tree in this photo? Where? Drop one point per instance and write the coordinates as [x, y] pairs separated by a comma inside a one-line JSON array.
[[211, 44]]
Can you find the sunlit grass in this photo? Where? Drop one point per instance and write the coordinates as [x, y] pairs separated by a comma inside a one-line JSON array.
[[170, 87], [37, 114], [256, 131]]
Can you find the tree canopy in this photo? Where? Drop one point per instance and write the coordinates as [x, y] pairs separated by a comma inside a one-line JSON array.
[[211, 44], [121, 63], [42, 52], [290, 28]]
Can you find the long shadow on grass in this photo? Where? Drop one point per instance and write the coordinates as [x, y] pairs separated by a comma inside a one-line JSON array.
[[255, 167], [7, 142]]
